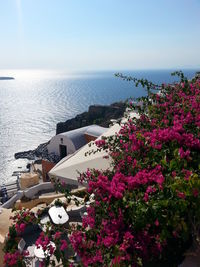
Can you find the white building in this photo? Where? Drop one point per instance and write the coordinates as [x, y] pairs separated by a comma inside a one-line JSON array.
[[67, 143], [68, 169]]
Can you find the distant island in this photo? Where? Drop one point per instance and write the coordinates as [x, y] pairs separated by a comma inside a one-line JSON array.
[[7, 78]]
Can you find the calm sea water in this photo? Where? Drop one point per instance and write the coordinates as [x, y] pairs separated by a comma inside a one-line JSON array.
[[33, 103]]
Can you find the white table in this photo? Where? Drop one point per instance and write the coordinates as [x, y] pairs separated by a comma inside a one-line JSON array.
[[40, 253], [58, 215]]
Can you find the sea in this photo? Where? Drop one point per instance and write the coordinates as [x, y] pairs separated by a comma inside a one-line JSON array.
[[36, 100]]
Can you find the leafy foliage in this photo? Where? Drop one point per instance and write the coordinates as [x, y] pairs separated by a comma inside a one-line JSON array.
[[148, 206], [146, 210]]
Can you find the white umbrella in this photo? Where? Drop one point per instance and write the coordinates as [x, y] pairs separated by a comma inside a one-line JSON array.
[[58, 215]]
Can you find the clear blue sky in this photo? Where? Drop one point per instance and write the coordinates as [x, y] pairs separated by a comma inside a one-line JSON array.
[[99, 34]]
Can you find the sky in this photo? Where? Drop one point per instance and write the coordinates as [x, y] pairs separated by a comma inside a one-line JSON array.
[[99, 34]]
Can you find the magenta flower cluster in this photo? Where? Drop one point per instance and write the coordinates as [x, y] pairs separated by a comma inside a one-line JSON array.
[[146, 209], [12, 259], [140, 214]]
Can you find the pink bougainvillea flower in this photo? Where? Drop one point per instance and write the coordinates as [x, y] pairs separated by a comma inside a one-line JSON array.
[[57, 235], [195, 192], [64, 245], [181, 195]]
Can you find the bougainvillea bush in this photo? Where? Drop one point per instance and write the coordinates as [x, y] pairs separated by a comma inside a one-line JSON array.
[[147, 210], [25, 218], [21, 219]]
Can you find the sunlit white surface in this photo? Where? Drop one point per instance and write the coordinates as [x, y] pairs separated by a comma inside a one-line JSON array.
[[58, 215], [40, 253]]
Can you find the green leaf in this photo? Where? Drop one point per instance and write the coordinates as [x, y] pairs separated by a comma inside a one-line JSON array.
[[164, 162], [173, 164]]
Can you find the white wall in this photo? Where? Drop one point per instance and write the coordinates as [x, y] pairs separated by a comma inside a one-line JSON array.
[[10, 203], [29, 192], [55, 142], [32, 191]]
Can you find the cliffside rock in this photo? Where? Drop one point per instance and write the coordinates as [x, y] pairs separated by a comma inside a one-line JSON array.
[[97, 114], [40, 152]]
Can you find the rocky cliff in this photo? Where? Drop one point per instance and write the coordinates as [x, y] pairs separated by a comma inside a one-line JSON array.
[[96, 114]]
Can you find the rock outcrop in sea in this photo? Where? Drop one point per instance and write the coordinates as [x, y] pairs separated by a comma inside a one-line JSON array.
[[7, 78], [39, 152]]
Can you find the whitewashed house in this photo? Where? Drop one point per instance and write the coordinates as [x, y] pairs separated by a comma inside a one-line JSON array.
[[67, 143]]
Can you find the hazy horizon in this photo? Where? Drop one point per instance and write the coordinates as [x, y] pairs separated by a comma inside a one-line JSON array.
[[100, 35]]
